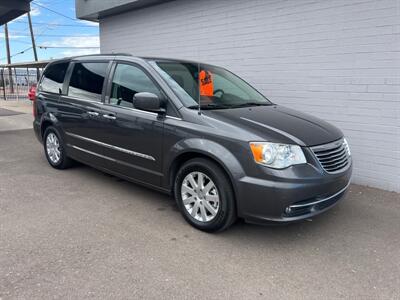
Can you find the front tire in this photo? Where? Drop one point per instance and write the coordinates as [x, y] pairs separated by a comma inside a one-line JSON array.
[[204, 195], [54, 149]]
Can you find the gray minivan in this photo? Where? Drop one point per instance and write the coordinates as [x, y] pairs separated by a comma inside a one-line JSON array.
[[194, 130]]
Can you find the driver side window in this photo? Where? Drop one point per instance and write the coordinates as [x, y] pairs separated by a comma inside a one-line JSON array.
[[127, 81]]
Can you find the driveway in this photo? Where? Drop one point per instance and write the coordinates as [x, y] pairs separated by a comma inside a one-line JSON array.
[[15, 115], [79, 233]]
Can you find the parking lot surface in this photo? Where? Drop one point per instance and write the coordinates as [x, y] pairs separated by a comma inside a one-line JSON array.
[[79, 233]]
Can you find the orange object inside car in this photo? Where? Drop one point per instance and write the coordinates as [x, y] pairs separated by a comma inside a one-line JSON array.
[[206, 83]]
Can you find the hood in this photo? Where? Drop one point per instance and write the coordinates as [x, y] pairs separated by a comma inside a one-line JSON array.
[[279, 124]]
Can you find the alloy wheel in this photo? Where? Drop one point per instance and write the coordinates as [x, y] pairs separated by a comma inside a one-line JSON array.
[[200, 196], [53, 148]]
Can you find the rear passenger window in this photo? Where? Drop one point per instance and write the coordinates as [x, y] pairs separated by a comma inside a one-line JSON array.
[[53, 77], [87, 80]]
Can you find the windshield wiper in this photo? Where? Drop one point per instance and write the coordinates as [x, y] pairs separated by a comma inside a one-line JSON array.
[[209, 106], [226, 106], [249, 104]]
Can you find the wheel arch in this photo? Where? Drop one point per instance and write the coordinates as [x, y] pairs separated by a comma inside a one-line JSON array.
[[200, 148], [45, 124], [48, 119]]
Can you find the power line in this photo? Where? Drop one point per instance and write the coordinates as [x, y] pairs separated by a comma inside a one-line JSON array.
[[68, 47], [52, 35], [22, 42], [18, 53], [45, 47], [55, 24], [47, 26], [21, 52], [53, 11]]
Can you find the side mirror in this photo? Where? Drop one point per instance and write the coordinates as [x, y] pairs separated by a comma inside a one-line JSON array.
[[148, 101]]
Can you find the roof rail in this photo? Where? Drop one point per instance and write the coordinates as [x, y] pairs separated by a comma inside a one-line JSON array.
[[119, 53], [103, 54]]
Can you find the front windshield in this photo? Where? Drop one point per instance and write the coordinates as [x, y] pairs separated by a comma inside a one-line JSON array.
[[212, 87]]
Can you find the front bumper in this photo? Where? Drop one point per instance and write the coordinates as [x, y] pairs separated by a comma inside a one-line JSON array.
[[290, 198]]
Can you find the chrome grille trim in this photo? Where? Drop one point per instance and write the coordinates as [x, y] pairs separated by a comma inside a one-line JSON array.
[[330, 153], [336, 162], [333, 157], [320, 200]]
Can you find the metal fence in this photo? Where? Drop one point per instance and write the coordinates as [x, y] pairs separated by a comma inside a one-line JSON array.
[[16, 82]]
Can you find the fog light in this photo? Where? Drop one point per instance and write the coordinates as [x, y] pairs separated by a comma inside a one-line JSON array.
[[288, 210]]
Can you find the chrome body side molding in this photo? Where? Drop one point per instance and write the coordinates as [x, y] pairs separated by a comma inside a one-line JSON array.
[[134, 153]]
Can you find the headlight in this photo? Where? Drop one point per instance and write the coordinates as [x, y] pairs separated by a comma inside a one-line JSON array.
[[277, 156], [346, 146]]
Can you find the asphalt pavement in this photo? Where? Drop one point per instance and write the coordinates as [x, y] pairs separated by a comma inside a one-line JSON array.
[[82, 234]]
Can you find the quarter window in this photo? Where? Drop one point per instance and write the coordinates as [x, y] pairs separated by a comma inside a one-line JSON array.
[[53, 77], [129, 80], [87, 80]]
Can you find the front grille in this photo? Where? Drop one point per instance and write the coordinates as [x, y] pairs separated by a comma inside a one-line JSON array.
[[333, 157]]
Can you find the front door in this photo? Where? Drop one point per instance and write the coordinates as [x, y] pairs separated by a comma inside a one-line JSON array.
[[134, 137]]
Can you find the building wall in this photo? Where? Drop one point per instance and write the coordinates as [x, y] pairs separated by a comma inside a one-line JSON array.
[[338, 60]]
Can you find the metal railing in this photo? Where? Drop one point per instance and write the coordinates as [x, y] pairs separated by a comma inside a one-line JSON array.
[[16, 82]]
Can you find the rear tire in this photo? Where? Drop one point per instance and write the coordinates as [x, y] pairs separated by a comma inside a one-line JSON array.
[[204, 195], [54, 149]]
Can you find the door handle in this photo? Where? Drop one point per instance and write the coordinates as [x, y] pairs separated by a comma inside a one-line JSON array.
[[93, 113], [110, 117]]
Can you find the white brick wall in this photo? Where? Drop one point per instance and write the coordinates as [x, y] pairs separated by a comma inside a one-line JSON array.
[[338, 60]]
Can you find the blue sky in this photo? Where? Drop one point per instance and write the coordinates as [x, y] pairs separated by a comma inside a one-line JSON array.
[[59, 33]]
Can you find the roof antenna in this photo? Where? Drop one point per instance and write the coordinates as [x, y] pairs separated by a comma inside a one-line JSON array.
[[198, 85]]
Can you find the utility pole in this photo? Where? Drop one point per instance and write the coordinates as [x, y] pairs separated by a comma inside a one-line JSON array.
[[33, 44], [8, 57]]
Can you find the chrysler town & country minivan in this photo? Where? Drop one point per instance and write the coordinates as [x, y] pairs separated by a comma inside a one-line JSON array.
[[197, 131]]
